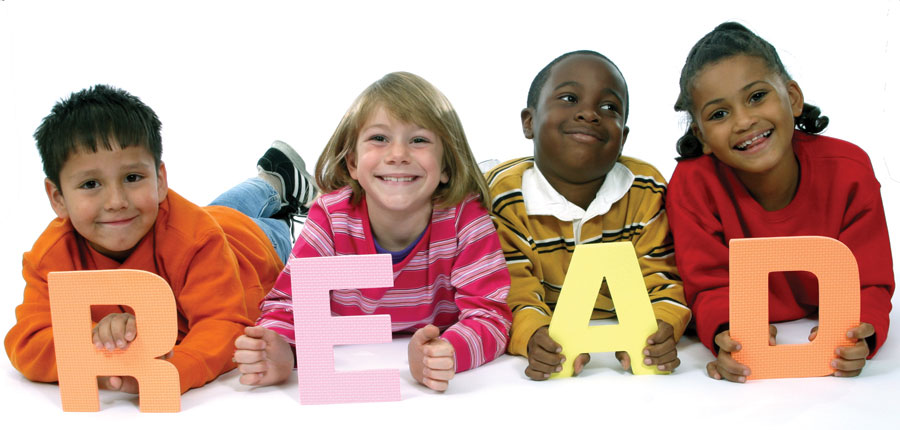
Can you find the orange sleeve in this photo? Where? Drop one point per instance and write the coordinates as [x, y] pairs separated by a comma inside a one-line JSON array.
[[29, 344]]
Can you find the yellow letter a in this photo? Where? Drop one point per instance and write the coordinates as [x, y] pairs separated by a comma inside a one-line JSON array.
[[570, 324]]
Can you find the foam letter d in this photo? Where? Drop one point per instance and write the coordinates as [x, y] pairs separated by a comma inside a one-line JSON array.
[[79, 363], [831, 262], [570, 324]]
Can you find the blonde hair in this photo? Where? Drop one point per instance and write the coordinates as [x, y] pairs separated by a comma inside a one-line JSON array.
[[410, 99]]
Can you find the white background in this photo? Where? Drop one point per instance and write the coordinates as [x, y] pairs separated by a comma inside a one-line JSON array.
[[226, 78]]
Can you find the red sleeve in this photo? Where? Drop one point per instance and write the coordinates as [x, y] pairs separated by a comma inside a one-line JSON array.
[[865, 233], [701, 255]]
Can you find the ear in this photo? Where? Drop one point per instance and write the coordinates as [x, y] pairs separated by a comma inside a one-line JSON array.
[[699, 135], [527, 118], [445, 176], [796, 96], [162, 182], [57, 202], [351, 164]]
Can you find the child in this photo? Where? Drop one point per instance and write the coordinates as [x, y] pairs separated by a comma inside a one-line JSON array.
[[101, 151], [400, 179], [579, 189], [745, 172]]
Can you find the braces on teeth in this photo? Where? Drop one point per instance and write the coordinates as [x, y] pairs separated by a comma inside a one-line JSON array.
[[743, 145]]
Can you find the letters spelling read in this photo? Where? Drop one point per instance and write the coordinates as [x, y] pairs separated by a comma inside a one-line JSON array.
[[834, 266], [79, 363], [569, 327], [316, 331]]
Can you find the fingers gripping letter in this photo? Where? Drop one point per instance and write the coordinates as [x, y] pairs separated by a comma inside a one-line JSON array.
[[617, 263], [831, 262], [79, 363], [316, 331]]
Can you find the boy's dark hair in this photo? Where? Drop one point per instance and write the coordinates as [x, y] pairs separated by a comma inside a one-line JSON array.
[[727, 40], [537, 84], [97, 115]]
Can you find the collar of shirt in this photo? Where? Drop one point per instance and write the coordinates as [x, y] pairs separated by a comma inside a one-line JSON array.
[[542, 199]]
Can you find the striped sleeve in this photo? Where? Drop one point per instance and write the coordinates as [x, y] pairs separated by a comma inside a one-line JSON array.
[[481, 281], [527, 294], [655, 249], [315, 240]]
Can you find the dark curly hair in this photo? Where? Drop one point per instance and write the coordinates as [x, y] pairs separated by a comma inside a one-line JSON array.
[[727, 40]]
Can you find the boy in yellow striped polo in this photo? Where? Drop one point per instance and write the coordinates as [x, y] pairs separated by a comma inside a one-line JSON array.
[[577, 188]]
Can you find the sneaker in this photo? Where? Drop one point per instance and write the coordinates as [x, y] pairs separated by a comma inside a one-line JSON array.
[[298, 187]]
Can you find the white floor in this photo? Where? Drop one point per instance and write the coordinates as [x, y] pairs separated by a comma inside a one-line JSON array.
[[228, 77]]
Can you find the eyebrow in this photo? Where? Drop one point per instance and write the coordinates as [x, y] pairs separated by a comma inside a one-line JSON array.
[[97, 172], [718, 100], [567, 83], [605, 90]]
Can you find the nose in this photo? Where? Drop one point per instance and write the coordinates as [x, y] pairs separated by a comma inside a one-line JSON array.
[[398, 152], [744, 119], [116, 198], [587, 114]]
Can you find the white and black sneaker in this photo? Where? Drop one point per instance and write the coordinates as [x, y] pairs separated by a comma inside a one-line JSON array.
[[298, 187]]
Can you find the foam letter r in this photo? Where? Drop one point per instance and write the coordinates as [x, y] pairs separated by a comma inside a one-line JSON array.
[[79, 363]]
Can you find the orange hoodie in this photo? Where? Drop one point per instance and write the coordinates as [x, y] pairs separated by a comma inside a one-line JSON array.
[[218, 262]]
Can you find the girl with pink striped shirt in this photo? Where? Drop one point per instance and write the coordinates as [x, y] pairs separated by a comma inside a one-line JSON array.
[[399, 178]]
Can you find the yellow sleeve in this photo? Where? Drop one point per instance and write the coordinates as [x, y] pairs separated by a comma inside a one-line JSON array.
[[656, 254], [526, 294]]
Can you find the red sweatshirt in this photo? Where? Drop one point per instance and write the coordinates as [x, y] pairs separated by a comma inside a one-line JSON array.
[[838, 197]]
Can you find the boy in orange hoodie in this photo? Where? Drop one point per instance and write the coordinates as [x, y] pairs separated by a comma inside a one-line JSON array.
[[101, 150]]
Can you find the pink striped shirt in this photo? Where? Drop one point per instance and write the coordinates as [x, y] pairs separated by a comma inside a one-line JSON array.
[[454, 278]]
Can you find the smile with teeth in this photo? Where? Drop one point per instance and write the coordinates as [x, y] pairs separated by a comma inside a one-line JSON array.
[[746, 144], [398, 178]]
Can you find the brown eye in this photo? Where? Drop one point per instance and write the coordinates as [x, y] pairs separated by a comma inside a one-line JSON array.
[[610, 107], [717, 115], [757, 96], [89, 185]]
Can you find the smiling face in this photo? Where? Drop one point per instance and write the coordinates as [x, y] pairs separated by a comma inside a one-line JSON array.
[[397, 164], [111, 197], [744, 114], [578, 124]]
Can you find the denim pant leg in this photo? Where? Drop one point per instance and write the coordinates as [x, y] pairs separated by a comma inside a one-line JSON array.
[[257, 199]]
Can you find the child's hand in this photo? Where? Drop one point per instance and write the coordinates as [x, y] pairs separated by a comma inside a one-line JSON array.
[[125, 384], [660, 350], [726, 367], [851, 359], [432, 360], [544, 356], [263, 357], [115, 331]]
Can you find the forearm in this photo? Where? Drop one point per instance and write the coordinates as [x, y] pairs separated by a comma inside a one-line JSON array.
[[29, 345], [875, 309], [710, 313], [206, 352]]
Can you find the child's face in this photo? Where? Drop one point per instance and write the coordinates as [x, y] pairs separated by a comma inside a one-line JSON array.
[[744, 113], [111, 197], [578, 124], [398, 164]]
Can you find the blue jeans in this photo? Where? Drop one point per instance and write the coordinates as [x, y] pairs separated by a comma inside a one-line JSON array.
[[257, 199]]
